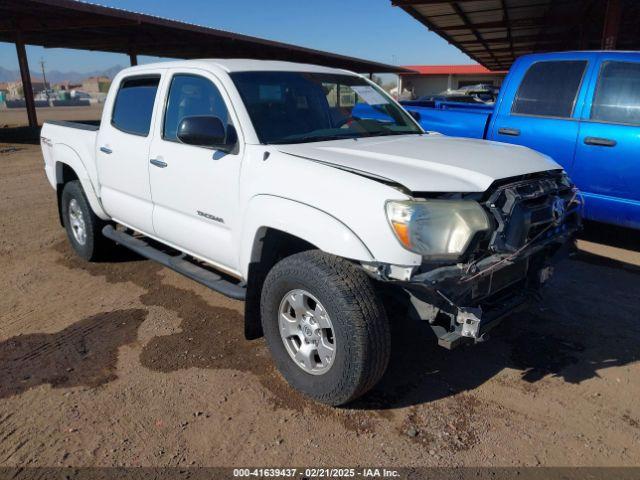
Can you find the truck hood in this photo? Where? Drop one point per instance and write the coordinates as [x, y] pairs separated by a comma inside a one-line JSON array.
[[427, 163]]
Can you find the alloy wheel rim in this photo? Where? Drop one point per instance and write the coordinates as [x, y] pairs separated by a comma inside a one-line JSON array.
[[307, 332], [76, 220]]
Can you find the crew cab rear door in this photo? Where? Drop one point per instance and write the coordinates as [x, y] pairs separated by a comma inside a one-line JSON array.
[[195, 189], [607, 165], [541, 111], [123, 150]]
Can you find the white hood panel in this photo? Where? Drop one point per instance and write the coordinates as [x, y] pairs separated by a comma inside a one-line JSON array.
[[428, 163]]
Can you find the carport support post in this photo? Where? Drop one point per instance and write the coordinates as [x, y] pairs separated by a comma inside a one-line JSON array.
[[27, 88], [611, 25], [133, 58]]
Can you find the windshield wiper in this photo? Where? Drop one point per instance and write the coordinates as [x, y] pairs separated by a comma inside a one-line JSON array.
[[387, 133], [314, 138]]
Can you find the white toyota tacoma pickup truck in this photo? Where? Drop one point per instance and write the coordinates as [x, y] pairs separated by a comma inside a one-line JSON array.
[[312, 195]]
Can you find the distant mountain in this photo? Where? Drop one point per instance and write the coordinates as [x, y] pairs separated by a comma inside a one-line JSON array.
[[56, 76], [10, 75]]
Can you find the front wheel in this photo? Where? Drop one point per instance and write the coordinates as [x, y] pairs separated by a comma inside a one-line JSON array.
[[326, 328]]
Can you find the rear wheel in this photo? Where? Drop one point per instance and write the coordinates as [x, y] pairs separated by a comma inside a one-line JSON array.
[[84, 228], [325, 326]]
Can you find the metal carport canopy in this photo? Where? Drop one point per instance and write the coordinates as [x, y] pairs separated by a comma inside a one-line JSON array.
[[496, 32], [87, 26]]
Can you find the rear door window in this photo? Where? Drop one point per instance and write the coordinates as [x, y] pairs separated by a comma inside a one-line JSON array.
[[549, 89], [617, 96], [133, 107]]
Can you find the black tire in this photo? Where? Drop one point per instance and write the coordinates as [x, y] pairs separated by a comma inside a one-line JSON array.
[[360, 325], [96, 245]]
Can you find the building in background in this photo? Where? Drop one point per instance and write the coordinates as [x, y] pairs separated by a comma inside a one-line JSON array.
[[15, 91], [434, 79], [67, 85], [96, 85], [4, 91]]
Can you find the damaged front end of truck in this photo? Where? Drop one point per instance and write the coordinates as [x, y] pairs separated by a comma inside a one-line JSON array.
[[531, 222]]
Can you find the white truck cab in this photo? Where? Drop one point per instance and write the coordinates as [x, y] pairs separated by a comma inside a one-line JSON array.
[[305, 191]]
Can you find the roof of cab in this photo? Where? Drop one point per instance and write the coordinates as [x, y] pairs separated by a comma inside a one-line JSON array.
[[242, 65]]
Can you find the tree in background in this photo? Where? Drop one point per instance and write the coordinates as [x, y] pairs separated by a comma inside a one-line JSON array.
[[103, 87]]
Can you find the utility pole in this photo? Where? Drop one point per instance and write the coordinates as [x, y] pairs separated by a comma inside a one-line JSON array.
[[44, 79]]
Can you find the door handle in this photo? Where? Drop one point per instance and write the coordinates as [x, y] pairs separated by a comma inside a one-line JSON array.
[[600, 142], [512, 132], [106, 150], [158, 163]]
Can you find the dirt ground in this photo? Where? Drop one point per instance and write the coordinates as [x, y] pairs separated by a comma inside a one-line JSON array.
[[17, 117], [127, 363]]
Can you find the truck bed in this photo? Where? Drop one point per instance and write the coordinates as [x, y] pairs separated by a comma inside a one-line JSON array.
[[91, 125], [452, 118], [69, 142]]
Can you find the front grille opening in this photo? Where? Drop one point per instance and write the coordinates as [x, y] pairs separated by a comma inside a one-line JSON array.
[[524, 211]]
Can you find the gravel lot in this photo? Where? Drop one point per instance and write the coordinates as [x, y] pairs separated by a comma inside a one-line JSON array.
[[128, 363], [17, 117]]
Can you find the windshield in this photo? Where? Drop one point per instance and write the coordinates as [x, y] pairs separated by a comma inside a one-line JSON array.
[[297, 107]]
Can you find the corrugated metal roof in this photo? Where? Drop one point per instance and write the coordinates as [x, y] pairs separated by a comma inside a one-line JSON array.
[[495, 32], [89, 26], [453, 70]]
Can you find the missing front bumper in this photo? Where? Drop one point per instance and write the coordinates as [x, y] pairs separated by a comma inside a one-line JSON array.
[[471, 325], [462, 312]]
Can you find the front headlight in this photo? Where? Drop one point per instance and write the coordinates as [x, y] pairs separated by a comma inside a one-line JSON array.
[[440, 229]]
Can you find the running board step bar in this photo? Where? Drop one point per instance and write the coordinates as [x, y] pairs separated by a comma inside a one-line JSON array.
[[177, 263]]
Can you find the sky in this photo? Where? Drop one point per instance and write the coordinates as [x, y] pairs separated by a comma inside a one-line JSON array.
[[369, 29]]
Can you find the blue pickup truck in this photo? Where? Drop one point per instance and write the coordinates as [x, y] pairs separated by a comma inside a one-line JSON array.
[[580, 108]]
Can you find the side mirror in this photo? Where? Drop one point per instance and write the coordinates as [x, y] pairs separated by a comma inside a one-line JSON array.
[[415, 115], [205, 131]]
